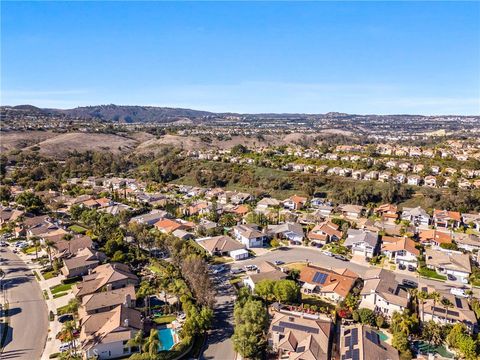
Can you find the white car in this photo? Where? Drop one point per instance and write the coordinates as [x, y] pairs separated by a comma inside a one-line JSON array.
[[65, 347], [328, 253], [458, 292]]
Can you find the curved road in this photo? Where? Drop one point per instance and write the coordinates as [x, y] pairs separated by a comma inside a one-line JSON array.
[[28, 315]]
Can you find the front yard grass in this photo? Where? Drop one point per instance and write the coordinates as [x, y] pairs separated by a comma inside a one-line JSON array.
[[60, 294], [221, 260], [49, 275], [60, 288], [296, 265], [78, 229], [432, 274]]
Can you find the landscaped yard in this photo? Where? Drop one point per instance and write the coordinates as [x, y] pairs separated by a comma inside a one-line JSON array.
[[314, 300], [78, 229], [432, 274], [49, 274], [165, 319], [221, 260], [60, 288], [296, 265]]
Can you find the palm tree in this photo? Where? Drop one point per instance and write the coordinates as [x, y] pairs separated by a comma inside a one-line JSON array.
[[422, 296], [36, 242], [68, 237], [152, 343], [67, 333], [446, 304], [49, 244], [435, 296], [137, 341]]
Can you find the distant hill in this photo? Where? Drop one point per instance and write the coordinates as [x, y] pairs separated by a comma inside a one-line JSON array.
[[128, 114]]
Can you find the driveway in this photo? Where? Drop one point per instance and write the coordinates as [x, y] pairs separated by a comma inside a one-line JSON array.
[[28, 316], [219, 344]]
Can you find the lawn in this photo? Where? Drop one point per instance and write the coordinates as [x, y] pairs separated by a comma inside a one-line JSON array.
[[221, 260], [30, 250], [49, 274], [60, 294], [78, 229], [62, 310], [432, 274], [235, 280], [165, 319], [155, 269], [296, 265], [60, 288]]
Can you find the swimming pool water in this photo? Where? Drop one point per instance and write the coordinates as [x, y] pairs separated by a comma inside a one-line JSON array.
[[165, 335]]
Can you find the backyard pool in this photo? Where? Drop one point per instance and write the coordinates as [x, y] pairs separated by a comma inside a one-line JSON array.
[[165, 335]]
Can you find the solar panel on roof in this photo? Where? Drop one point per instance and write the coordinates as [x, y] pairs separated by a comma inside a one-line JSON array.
[[278, 328], [320, 277], [298, 327], [348, 354], [300, 349], [453, 313], [356, 354], [458, 302], [346, 332], [354, 337], [347, 341]]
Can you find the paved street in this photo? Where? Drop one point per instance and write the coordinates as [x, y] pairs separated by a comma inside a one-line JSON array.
[[28, 320], [219, 344], [316, 257]]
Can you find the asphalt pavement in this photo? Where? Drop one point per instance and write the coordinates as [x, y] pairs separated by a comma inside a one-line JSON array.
[[28, 317], [219, 344]]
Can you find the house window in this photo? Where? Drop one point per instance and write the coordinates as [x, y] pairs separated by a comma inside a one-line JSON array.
[[126, 350]]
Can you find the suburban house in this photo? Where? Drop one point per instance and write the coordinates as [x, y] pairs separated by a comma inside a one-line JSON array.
[[414, 180], [472, 220], [402, 250], [332, 284], [387, 212], [168, 226], [468, 242], [434, 237], [85, 260], [106, 301], [108, 276], [325, 210], [294, 336], [382, 293], [361, 342], [267, 204], [324, 233], [452, 263], [265, 271], [446, 219], [362, 242], [295, 202], [249, 235], [64, 248], [416, 216], [223, 246], [459, 312], [105, 335], [293, 232], [8, 215], [151, 218], [430, 181], [352, 211]]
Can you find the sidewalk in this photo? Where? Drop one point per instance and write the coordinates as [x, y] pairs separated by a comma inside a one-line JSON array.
[[52, 343]]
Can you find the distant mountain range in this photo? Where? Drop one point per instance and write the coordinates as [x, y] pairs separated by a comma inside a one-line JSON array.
[[134, 113]]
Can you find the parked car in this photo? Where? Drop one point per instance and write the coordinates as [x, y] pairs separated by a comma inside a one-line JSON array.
[[279, 262], [3, 244], [251, 267], [402, 267], [65, 318], [451, 277], [218, 269], [237, 271], [328, 253], [340, 257], [65, 347], [458, 292], [411, 268], [409, 283]]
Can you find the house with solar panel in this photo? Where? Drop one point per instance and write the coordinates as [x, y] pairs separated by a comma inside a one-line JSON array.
[[458, 312], [362, 242], [294, 336], [382, 293], [361, 342], [331, 284]]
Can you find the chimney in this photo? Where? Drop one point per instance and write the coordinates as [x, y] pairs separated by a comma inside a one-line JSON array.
[[125, 323], [128, 300]]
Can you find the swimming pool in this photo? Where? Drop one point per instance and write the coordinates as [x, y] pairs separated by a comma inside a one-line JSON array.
[[165, 335]]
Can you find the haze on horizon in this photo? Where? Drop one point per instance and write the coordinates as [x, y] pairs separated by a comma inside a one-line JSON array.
[[363, 58]]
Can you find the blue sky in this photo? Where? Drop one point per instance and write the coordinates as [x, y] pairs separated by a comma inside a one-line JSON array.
[[355, 57]]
